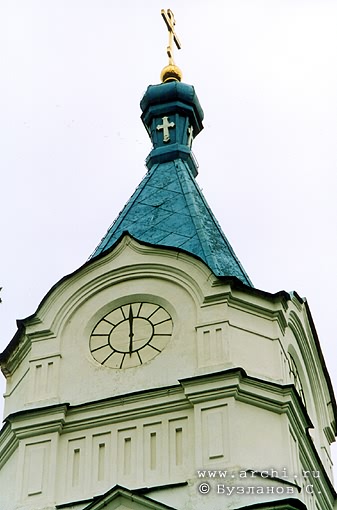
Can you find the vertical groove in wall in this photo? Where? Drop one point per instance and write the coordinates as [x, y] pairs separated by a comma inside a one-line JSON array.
[[206, 345], [50, 373], [76, 467], [38, 380], [218, 343], [179, 446], [101, 461], [127, 455], [153, 451]]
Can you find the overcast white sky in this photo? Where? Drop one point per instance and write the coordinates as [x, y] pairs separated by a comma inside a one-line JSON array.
[[72, 146]]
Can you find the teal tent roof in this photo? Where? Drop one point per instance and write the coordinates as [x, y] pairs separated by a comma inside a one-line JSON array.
[[169, 209]]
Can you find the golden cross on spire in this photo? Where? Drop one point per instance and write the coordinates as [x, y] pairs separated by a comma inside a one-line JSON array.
[[168, 17], [171, 72]]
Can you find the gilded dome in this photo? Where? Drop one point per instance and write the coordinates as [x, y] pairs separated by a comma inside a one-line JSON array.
[[171, 72]]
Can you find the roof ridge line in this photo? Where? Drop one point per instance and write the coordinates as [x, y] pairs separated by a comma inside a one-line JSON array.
[[199, 227]]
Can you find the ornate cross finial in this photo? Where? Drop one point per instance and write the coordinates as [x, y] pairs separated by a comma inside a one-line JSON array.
[[171, 72], [168, 17]]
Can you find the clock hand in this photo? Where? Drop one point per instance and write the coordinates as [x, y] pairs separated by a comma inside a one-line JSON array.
[[131, 334]]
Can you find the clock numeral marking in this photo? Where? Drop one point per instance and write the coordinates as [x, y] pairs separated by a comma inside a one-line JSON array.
[[122, 360], [161, 334], [99, 334], [140, 359], [156, 310], [139, 309], [98, 348], [155, 348], [111, 323], [124, 316], [106, 359], [161, 322]]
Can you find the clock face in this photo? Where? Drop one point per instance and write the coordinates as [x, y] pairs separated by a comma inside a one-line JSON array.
[[130, 335]]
